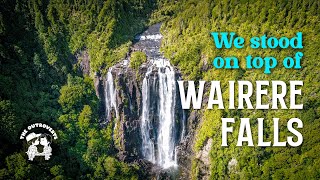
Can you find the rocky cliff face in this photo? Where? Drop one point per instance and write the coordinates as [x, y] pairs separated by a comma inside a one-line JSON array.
[[149, 122], [185, 152], [126, 119], [144, 106]]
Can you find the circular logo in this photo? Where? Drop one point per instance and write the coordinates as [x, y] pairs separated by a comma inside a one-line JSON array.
[[39, 143]]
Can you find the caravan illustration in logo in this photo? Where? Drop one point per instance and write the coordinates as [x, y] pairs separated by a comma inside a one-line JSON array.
[[39, 143]]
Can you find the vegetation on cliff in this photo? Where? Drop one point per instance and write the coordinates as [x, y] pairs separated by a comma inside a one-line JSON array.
[[38, 81], [188, 44], [137, 58]]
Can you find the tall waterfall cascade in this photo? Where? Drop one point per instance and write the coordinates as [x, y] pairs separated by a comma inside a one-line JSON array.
[[159, 149], [161, 118], [159, 127], [110, 95]]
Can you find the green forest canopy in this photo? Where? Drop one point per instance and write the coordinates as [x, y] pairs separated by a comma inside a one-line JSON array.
[[38, 80]]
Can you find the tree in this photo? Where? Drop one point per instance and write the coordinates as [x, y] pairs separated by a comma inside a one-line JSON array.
[[137, 58]]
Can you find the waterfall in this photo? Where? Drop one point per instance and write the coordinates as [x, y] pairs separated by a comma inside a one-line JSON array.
[[162, 125], [166, 138], [159, 147], [110, 96], [147, 142]]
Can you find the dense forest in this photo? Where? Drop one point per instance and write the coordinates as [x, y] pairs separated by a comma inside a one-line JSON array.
[[189, 46], [41, 81]]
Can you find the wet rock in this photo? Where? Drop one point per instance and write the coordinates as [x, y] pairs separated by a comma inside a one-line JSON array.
[[99, 88], [185, 148], [128, 102], [127, 118]]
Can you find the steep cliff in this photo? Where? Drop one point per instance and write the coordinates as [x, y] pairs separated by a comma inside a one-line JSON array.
[[143, 104]]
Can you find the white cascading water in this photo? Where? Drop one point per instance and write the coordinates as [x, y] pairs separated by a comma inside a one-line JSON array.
[[147, 142], [166, 139], [164, 143], [110, 96], [159, 126]]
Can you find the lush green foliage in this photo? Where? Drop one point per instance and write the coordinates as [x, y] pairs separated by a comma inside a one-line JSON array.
[[105, 28], [39, 41], [189, 45], [86, 142], [137, 58]]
